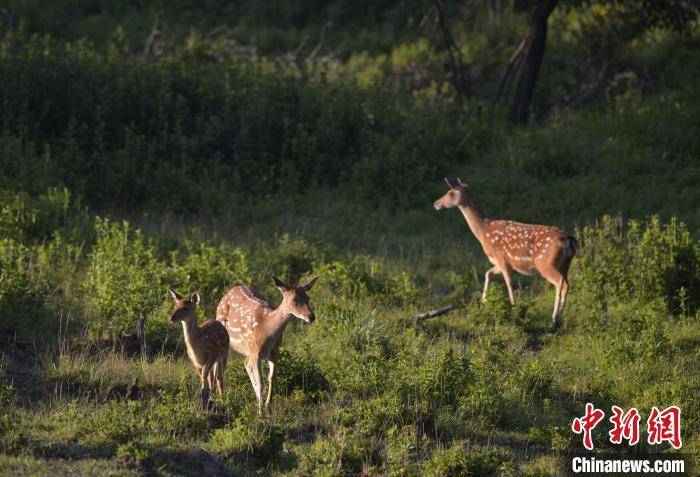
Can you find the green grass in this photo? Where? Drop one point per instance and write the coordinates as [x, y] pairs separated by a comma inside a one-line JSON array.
[[201, 172], [487, 389]]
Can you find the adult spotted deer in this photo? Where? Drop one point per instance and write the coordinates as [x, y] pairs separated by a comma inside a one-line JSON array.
[[207, 344], [514, 246], [255, 329]]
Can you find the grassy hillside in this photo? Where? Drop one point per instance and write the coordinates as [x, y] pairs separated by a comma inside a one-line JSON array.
[[200, 168]]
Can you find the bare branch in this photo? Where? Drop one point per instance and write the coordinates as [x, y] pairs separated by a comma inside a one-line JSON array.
[[427, 15], [454, 53], [510, 67], [151, 41], [431, 314], [298, 49], [319, 45]]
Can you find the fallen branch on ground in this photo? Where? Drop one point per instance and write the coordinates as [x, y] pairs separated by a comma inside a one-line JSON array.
[[431, 314]]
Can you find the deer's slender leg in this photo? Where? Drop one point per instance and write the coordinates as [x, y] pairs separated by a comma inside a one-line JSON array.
[[206, 389], [210, 377], [563, 292], [220, 370], [270, 381], [253, 368], [506, 276], [491, 271], [553, 276], [249, 370], [557, 300], [213, 375]]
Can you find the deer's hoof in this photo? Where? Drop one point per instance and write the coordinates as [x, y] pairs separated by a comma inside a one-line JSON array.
[[206, 401]]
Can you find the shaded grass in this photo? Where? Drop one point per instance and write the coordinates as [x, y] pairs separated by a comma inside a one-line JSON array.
[[486, 389]]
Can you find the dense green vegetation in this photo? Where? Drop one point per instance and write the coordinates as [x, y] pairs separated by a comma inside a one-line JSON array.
[[210, 158]]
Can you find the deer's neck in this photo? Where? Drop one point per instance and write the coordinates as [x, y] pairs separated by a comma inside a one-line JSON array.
[[279, 318], [191, 331], [476, 220]]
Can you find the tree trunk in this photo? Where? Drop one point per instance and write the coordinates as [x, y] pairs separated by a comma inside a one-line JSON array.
[[536, 42]]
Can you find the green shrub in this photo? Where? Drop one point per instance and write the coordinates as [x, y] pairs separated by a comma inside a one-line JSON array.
[[24, 217], [125, 280], [457, 461], [163, 418], [440, 380], [8, 422], [401, 449], [298, 371], [242, 438], [287, 258], [535, 379], [642, 261], [22, 300], [342, 279], [331, 456], [198, 132], [209, 269]]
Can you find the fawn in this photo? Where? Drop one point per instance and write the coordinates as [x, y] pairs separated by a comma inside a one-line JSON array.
[[207, 344], [514, 246], [255, 329]]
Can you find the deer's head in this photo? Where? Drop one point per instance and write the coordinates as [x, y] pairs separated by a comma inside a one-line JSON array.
[[295, 300], [184, 307], [458, 194]]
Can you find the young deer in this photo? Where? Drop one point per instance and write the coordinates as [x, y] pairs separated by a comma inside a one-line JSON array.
[[207, 344], [255, 328], [512, 245]]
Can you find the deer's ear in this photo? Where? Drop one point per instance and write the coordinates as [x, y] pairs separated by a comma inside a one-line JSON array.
[[174, 294], [310, 285], [195, 298], [452, 183], [280, 284]]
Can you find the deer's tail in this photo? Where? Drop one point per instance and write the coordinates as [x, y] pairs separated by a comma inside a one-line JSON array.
[[573, 244]]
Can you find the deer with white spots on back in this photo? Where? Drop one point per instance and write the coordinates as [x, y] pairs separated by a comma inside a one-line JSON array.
[[514, 246], [255, 329]]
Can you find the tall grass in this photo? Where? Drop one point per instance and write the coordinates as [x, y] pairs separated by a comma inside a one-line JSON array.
[[485, 389]]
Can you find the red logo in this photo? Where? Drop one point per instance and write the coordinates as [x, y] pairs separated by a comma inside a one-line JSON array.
[[665, 426], [662, 426], [626, 426], [587, 423]]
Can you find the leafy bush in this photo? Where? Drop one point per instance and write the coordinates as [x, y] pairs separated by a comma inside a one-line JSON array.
[[242, 438], [289, 258], [125, 280], [163, 418], [330, 456], [298, 371], [24, 217], [458, 461], [199, 132], [643, 261], [22, 301], [209, 269]]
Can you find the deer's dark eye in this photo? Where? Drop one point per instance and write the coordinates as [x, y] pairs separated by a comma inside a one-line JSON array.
[[298, 301]]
